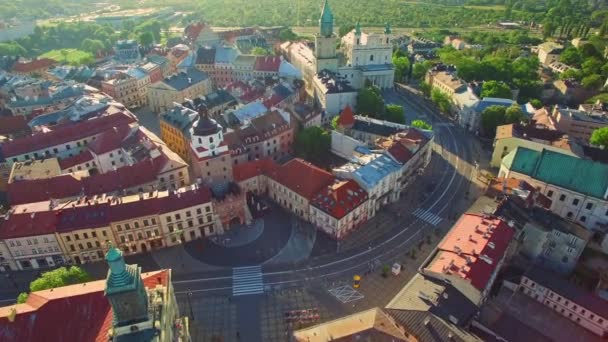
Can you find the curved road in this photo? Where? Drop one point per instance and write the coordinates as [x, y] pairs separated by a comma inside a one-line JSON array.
[[452, 146]]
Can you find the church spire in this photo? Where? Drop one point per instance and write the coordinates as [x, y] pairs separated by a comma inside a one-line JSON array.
[[387, 28], [326, 22], [357, 29]]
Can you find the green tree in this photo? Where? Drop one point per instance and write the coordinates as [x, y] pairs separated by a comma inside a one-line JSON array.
[[344, 29], [12, 49], [421, 124], [64, 53], [312, 142], [394, 113], [571, 56], [592, 65], [592, 81], [402, 67], [514, 114], [536, 103], [334, 122], [571, 74], [496, 89], [491, 118], [420, 69], [258, 51], [287, 34], [441, 100], [370, 102], [59, 277], [146, 39], [425, 88], [22, 298], [599, 137], [92, 45]]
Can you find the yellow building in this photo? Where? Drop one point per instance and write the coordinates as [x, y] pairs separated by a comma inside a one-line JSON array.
[[174, 129], [187, 84], [86, 245]]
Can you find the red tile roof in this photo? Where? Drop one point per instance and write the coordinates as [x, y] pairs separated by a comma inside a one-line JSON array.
[[518, 190], [347, 117], [194, 30], [109, 140], [267, 63], [28, 224], [13, 124], [302, 177], [37, 319], [34, 65], [82, 157], [65, 186], [472, 249], [340, 198], [82, 217], [252, 169], [65, 133], [400, 153]]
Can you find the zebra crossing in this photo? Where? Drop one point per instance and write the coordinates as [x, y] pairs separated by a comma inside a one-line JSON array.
[[247, 281], [427, 216]]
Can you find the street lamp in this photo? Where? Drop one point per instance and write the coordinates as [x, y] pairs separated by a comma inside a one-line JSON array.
[[189, 297]]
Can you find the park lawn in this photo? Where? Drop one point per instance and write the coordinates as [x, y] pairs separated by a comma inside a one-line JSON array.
[[74, 56]]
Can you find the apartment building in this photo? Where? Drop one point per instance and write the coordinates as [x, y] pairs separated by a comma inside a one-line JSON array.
[[573, 303], [578, 123], [176, 88], [174, 129], [123, 88]]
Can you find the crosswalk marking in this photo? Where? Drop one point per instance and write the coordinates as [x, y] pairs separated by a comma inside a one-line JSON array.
[[444, 124], [247, 281], [427, 216]]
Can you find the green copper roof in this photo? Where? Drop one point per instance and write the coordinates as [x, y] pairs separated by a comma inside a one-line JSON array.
[[581, 175], [120, 275], [326, 22], [358, 29]]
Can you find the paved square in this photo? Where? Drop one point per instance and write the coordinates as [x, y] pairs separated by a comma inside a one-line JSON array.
[[346, 294]]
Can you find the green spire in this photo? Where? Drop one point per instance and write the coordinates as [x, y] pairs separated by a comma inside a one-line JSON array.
[[357, 29], [118, 275], [326, 22], [387, 28]]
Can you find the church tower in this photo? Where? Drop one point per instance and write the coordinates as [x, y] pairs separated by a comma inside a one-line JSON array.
[[125, 290], [325, 41]]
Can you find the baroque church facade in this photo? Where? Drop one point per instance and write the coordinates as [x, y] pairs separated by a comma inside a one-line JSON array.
[[333, 75]]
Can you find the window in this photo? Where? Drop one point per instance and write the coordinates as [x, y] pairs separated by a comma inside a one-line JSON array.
[[130, 237], [549, 193], [136, 224], [67, 238], [72, 248], [146, 223], [80, 246], [119, 228], [170, 228], [569, 215], [200, 220], [153, 220], [103, 232], [190, 223], [583, 218], [89, 245], [562, 198], [76, 237], [85, 236], [207, 209], [97, 244], [575, 201], [168, 218], [178, 217], [94, 234], [371, 58], [199, 211], [127, 226]]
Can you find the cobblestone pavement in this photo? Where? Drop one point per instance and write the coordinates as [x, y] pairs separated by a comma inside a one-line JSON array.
[[214, 318]]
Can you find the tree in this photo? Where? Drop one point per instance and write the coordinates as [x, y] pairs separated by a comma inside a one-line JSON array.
[[514, 114], [571, 56], [334, 122], [92, 45], [425, 88], [592, 81], [592, 65], [491, 118], [12, 49], [312, 142], [64, 53], [370, 102], [287, 34], [402, 67], [571, 74], [536, 103], [394, 113], [496, 89], [599, 137], [419, 69], [441, 100], [344, 29], [59, 277], [422, 125], [146, 39], [56, 278], [259, 51]]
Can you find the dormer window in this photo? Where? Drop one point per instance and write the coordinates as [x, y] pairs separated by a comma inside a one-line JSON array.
[[211, 140]]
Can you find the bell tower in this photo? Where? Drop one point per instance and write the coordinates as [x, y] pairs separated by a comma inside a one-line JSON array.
[[125, 290], [325, 41]]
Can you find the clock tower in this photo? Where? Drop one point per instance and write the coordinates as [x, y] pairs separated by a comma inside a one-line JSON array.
[[125, 291]]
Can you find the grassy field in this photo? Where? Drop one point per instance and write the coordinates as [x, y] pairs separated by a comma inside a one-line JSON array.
[[74, 56]]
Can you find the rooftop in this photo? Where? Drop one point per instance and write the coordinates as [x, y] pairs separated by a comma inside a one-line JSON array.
[[302, 177], [244, 171], [579, 115], [530, 132], [373, 172], [35, 169], [334, 83], [472, 249], [339, 198], [580, 175], [377, 127], [185, 79]]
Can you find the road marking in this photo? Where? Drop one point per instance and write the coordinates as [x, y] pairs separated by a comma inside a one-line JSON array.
[[346, 294], [247, 281], [427, 216], [444, 124]]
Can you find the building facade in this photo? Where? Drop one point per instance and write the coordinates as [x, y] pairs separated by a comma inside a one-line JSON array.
[[176, 88]]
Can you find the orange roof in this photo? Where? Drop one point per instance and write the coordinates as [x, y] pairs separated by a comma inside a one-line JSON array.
[[37, 319], [302, 177], [34, 65], [340, 198], [472, 249], [252, 169], [347, 117]]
